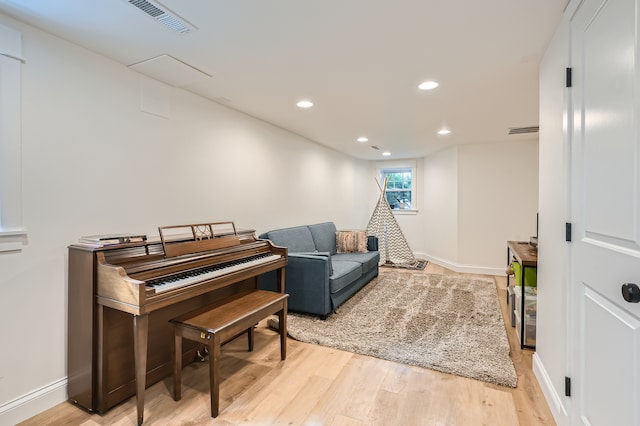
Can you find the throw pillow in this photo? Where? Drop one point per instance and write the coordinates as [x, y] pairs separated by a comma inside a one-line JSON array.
[[351, 241]]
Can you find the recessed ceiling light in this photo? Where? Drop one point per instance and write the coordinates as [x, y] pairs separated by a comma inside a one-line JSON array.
[[428, 85], [444, 131], [363, 139], [386, 154], [305, 104]]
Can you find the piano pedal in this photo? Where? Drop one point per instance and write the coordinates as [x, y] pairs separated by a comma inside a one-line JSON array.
[[201, 354]]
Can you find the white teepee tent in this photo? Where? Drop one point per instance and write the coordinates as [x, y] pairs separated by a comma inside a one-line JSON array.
[[392, 245]]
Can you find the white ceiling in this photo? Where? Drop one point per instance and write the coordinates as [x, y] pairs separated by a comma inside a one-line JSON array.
[[359, 61]]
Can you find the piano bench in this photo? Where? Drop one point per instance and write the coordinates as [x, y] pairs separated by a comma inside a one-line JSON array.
[[214, 326]]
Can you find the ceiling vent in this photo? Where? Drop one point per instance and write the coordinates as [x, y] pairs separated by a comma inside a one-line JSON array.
[[163, 15], [520, 130], [377, 148]]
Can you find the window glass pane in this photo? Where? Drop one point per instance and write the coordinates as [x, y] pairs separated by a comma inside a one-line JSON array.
[[10, 126], [399, 187]]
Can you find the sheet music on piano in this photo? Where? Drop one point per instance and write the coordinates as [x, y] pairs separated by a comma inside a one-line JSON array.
[[120, 295]]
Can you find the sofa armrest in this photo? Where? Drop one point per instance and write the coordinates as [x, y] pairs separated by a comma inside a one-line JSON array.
[[306, 282], [321, 254], [372, 243]]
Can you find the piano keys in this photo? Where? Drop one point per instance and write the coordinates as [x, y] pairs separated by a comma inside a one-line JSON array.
[[122, 297], [184, 279]]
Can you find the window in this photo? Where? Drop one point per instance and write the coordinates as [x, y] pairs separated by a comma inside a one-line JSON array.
[[400, 191], [10, 139]]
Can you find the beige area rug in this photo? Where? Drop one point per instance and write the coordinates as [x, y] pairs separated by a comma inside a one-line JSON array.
[[447, 323]]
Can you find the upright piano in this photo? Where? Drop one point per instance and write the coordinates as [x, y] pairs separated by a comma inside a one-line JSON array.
[[122, 296]]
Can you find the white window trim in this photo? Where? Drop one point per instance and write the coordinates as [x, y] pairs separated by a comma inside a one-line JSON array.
[[12, 232], [402, 164]]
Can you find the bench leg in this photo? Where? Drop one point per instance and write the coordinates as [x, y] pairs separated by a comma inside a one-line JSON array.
[[250, 338], [282, 321], [214, 373], [177, 367]]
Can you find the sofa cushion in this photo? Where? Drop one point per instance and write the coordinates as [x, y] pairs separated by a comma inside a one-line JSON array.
[[296, 239], [345, 272], [351, 241], [324, 236], [369, 260]]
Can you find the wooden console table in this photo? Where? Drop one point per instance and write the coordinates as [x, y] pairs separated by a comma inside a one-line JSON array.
[[527, 255]]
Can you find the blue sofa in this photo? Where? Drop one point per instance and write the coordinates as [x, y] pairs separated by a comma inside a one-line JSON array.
[[318, 278]]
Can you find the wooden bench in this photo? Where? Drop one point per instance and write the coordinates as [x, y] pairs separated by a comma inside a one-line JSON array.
[[214, 326]]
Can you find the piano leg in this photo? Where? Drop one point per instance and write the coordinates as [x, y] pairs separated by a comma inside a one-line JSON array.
[[280, 278], [140, 335]]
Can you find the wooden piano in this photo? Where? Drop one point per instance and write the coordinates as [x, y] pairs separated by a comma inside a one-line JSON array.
[[122, 296]]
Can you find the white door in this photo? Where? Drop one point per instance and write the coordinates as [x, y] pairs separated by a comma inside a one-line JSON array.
[[605, 212]]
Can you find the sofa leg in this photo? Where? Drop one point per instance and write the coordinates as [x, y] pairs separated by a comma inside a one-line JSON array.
[[323, 317]]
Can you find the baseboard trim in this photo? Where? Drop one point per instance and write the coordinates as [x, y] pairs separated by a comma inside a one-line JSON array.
[[555, 401], [34, 402], [464, 269]]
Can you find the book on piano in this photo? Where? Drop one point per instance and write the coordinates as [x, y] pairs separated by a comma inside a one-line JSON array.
[[110, 239]]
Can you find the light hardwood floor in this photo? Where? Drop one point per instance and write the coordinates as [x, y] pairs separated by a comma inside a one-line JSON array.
[[323, 386]]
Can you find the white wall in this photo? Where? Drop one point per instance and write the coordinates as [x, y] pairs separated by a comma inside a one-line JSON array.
[[476, 197], [439, 201], [550, 361], [497, 199], [94, 163]]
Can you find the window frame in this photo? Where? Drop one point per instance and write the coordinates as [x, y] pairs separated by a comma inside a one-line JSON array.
[[386, 167], [12, 232]]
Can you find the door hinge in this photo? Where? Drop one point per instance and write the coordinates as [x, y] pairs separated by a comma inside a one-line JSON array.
[[568, 77], [567, 386], [567, 231]]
